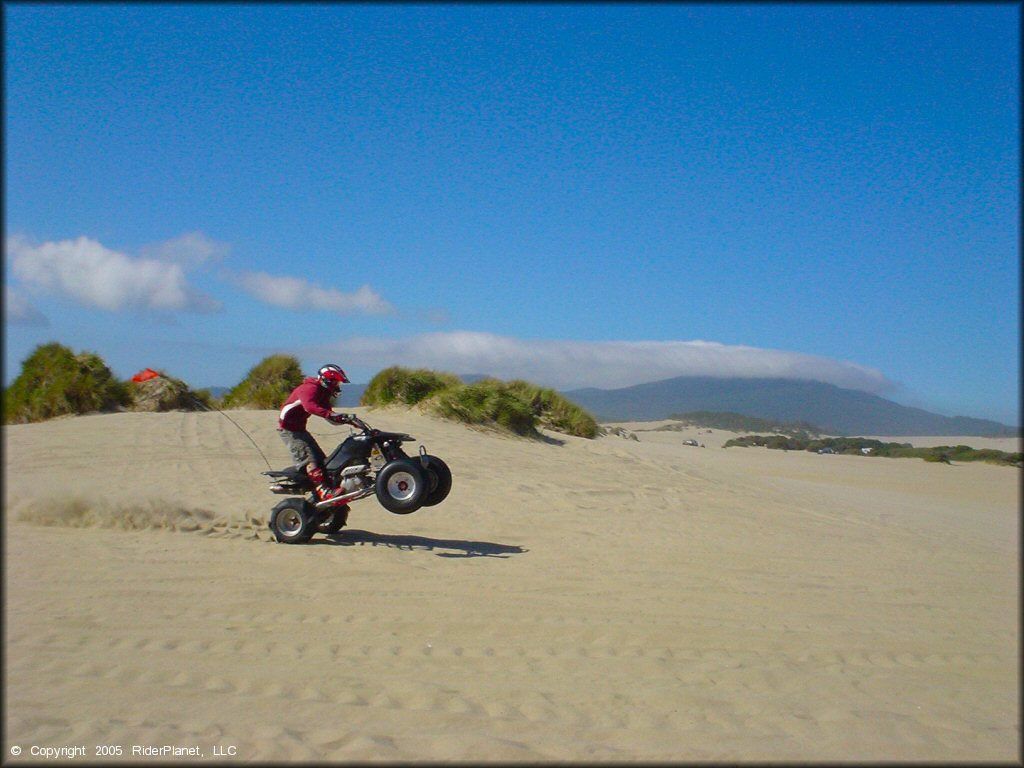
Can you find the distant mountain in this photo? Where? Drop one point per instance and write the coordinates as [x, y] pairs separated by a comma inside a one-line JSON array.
[[836, 410]]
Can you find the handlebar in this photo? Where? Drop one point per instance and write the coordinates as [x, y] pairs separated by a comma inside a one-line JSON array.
[[356, 422]]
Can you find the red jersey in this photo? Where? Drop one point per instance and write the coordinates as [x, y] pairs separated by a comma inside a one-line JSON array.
[[309, 397]]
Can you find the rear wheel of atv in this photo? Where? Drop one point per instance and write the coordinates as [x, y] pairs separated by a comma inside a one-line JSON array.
[[401, 486], [440, 479], [292, 521], [336, 520]]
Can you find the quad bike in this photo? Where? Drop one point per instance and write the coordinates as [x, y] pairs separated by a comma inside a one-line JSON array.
[[370, 462]]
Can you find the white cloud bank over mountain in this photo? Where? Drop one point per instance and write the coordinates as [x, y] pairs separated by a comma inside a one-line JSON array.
[[102, 278], [604, 364]]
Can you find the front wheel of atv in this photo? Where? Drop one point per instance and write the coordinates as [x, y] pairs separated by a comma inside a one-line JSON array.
[[401, 486], [440, 479], [292, 521]]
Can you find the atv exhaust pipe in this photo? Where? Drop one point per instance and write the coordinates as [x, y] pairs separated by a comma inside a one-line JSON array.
[[359, 494]]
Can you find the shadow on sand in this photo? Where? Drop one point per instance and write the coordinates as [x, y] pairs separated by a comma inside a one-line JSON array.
[[455, 547]]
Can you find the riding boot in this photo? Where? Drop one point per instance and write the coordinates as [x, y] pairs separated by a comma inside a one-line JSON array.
[[323, 490]]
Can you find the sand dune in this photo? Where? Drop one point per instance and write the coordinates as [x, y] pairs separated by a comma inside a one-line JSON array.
[[605, 600]]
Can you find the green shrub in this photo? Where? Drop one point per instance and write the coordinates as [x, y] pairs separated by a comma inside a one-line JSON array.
[[267, 384], [204, 396], [488, 402], [992, 456], [405, 386], [517, 406], [944, 454], [54, 381], [737, 422], [554, 411]]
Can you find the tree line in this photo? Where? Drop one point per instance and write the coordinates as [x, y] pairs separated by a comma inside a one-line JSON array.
[[864, 446], [56, 381]]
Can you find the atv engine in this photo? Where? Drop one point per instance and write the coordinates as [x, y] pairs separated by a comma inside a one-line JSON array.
[[353, 478]]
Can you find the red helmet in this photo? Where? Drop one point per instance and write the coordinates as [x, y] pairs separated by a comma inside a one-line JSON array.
[[331, 377]]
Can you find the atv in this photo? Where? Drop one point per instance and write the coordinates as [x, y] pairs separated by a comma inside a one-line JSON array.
[[370, 462]]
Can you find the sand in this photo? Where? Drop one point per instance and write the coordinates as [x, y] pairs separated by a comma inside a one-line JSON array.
[[572, 600]]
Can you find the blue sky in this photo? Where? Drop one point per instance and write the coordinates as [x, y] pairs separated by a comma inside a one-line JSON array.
[[584, 195]]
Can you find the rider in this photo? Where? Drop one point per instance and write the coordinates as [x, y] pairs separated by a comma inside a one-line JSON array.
[[312, 396]]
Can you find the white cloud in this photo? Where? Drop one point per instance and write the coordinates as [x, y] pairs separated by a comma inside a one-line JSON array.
[[190, 250], [603, 364], [99, 277], [293, 293], [18, 310]]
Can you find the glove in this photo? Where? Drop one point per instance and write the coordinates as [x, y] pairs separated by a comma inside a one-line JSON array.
[[339, 418]]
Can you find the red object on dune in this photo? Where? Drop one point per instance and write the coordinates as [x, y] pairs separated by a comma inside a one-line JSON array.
[[145, 375]]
